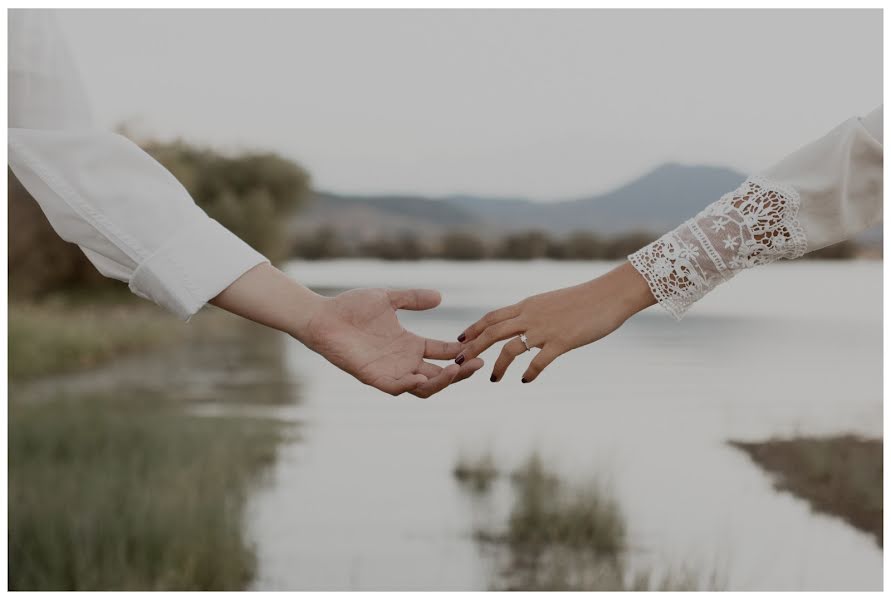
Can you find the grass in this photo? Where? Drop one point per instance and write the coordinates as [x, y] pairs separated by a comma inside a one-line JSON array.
[[546, 514], [840, 475], [567, 538], [60, 337], [476, 474], [131, 494], [66, 334]]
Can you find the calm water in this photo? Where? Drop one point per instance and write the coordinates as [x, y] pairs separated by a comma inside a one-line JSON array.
[[366, 500]]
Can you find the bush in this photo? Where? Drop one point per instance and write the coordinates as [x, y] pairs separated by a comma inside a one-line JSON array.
[[403, 247], [525, 246], [458, 245], [251, 194]]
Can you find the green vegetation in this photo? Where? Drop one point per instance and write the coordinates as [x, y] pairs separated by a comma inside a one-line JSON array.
[[547, 515], [561, 537], [252, 194], [327, 243], [459, 245], [130, 493], [60, 336], [476, 474], [840, 476]]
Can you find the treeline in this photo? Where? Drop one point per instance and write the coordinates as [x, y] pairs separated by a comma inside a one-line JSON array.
[[326, 243]]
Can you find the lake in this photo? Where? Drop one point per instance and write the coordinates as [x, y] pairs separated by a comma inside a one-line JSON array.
[[366, 500]]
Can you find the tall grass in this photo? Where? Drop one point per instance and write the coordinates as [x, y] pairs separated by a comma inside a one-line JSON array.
[[569, 538], [476, 474], [131, 493], [60, 337]]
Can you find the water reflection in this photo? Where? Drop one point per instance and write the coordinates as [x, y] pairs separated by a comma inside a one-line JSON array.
[[367, 501]]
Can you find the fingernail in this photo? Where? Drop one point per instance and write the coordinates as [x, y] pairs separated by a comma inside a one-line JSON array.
[[493, 378], [524, 380], [462, 337], [460, 359]]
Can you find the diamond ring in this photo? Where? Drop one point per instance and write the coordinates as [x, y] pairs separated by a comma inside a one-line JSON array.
[[525, 341]]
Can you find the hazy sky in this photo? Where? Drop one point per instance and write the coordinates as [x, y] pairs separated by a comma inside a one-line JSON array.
[[544, 104]]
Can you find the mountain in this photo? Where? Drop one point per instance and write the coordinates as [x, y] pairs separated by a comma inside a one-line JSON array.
[[655, 202], [658, 200]]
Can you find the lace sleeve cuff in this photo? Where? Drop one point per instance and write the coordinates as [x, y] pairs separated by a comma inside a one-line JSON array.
[[754, 225]]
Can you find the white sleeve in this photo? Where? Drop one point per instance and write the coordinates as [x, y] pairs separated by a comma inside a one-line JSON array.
[[132, 219], [824, 193]]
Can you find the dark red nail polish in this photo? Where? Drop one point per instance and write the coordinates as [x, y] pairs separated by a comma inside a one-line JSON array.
[[460, 359], [493, 378], [462, 337], [524, 380]]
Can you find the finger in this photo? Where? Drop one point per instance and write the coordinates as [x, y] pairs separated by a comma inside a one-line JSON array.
[[395, 386], [489, 336], [416, 299], [464, 371], [437, 383], [468, 368], [428, 370], [489, 319], [545, 357], [440, 350], [509, 352]]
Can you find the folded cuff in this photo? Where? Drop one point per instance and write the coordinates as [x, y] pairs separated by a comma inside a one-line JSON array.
[[195, 266]]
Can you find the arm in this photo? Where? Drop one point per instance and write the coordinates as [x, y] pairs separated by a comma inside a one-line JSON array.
[[130, 216], [826, 192], [136, 223], [356, 331]]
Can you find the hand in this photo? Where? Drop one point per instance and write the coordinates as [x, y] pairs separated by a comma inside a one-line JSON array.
[[358, 332], [558, 321]]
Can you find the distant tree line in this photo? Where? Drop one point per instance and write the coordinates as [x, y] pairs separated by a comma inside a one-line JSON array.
[[327, 243]]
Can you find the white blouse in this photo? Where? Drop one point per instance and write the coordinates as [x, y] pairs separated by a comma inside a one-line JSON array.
[[824, 193], [129, 215]]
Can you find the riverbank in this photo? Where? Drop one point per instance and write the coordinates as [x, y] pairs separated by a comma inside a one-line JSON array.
[[840, 476], [117, 478]]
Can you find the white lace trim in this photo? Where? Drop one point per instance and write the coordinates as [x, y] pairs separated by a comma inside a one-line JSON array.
[[754, 225]]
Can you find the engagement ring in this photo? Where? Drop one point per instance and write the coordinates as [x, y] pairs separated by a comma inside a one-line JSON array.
[[525, 341]]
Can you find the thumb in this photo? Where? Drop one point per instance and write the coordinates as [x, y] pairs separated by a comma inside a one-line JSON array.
[[415, 299]]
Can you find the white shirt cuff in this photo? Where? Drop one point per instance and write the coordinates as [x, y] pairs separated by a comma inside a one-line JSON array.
[[196, 265]]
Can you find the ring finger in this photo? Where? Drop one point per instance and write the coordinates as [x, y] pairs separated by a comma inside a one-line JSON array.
[[509, 352]]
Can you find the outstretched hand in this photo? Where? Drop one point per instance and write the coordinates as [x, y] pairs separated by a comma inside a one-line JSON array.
[[557, 321], [358, 331]]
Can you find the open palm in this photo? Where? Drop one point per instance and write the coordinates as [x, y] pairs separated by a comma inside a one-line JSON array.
[[358, 331]]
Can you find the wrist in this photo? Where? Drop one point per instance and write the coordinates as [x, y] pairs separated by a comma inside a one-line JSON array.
[[627, 291], [635, 294], [306, 306]]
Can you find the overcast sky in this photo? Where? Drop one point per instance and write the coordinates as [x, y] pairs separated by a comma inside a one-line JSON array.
[[542, 104]]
